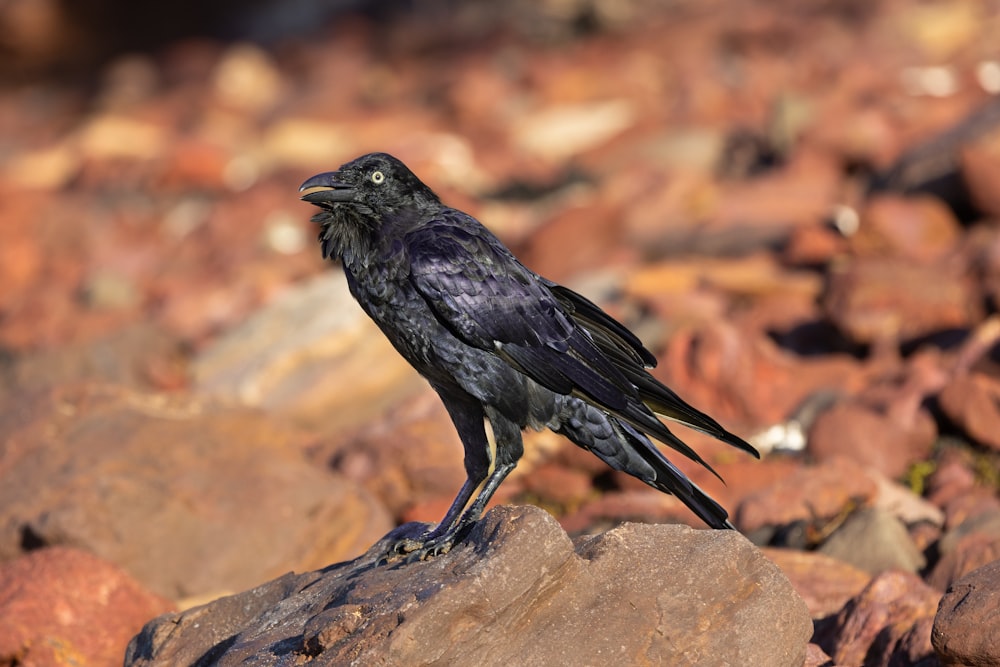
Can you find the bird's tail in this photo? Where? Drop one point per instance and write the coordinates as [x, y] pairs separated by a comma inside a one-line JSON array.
[[625, 448]]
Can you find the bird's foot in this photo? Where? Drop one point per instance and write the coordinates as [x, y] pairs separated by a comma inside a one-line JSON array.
[[411, 550]]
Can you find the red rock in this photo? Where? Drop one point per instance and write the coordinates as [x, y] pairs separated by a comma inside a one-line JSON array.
[[972, 401], [967, 624], [884, 298], [951, 478], [872, 438], [969, 553], [919, 228], [742, 376], [825, 583], [980, 161], [814, 493], [63, 606], [876, 626]]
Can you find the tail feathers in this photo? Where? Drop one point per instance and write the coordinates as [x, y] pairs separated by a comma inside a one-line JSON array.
[[668, 478]]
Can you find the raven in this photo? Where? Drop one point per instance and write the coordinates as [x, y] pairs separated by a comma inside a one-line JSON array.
[[498, 342]]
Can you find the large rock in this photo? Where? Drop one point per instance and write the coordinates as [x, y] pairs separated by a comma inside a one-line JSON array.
[[967, 625], [189, 497], [515, 591]]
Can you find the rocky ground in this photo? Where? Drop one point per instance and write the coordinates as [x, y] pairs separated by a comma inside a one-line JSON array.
[[795, 204]]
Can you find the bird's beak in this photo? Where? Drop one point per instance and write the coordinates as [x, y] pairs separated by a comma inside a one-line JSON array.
[[326, 189]]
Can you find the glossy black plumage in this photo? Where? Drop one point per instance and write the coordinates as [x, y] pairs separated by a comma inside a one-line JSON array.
[[496, 340]]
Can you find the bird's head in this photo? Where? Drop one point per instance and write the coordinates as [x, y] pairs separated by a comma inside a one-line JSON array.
[[360, 198]]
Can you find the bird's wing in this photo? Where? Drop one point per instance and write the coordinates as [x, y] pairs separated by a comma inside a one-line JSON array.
[[488, 299], [561, 340]]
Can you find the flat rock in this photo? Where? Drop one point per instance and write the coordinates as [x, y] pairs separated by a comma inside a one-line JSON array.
[[967, 624], [518, 591], [189, 497], [313, 355], [62, 606]]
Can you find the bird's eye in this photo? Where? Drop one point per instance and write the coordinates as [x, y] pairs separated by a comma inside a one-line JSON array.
[[378, 177]]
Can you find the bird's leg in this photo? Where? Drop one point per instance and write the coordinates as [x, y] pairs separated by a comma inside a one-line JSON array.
[[467, 415], [509, 448]]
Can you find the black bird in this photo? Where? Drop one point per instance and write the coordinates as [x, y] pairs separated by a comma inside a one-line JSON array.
[[498, 341]]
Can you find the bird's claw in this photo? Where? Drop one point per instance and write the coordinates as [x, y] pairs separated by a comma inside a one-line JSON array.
[[413, 550]]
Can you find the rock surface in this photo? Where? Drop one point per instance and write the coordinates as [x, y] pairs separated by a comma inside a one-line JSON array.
[[516, 591], [188, 498]]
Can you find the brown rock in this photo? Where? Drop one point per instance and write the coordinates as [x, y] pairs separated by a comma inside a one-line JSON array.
[[188, 497], [967, 625], [817, 492], [877, 626], [62, 606], [825, 583], [516, 591], [871, 437], [919, 228], [972, 401], [883, 298]]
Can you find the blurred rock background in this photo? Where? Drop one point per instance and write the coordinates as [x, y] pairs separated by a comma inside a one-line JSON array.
[[794, 203]]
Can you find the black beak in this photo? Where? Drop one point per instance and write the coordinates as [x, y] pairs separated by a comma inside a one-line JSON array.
[[326, 189]]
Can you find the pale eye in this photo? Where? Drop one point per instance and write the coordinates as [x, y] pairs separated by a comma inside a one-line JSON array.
[[378, 178]]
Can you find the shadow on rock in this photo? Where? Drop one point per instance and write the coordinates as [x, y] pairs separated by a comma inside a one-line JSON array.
[[517, 590]]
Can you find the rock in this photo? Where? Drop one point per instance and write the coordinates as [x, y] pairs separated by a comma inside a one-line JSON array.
[[515, 591], [904, 504], [885, 624], [825, 583], [188, 497], [296, 357], [873, 438], [817, 492], [62, 606], [921, 228], [883, 298], [874, 541], [816, 657], [952, 478], [980, 162], [971, 402], [966, 547], [409, 455], [967, 625]]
